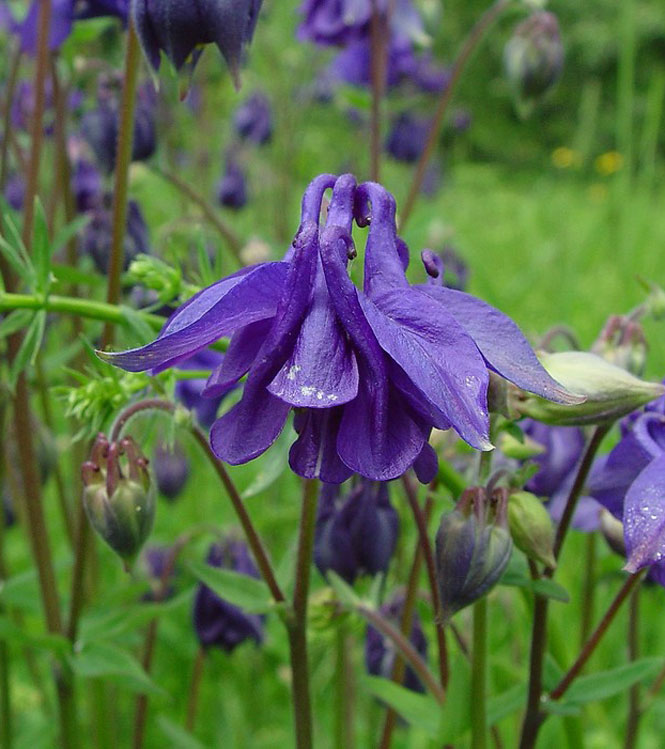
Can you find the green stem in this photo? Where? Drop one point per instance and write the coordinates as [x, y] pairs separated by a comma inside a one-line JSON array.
[[195, 689], [430, 566], [142, 700], [634, 713], [479, 676], [121, 185], [344, 684], [588, 588], [297, 624], [471, 43]]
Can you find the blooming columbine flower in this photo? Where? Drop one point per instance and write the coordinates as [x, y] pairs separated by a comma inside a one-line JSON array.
[[631, 485], [180, 27], [369, 372], [355, 533]]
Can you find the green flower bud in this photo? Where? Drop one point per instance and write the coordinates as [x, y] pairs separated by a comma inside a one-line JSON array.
[[118, 497], [473, 548], [511, 447], [610, 391], [531, 527]]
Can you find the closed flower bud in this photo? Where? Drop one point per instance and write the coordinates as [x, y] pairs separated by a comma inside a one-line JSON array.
[[609, 391], [232, 187], [533, 57], [118, 497], [531, 527], [511, 447], [612, 530], [622, 342], [356, 533], [473, 547], [171, 469]]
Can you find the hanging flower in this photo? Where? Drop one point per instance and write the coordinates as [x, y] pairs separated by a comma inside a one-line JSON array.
[[368, 372]]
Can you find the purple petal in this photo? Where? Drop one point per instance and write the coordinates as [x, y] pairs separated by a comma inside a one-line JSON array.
[[314, 454], [254, 423], [501, 342], [427, 464], [644, 517], [316, 375], [239, 357], [310, 210], [241, 299], [438, 356]]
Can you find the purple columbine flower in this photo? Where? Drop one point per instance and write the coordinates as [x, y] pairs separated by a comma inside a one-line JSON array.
[[15, 191], [337, 22], [631, 485], [63, 15], [446, 268], [380, 652], [232, 187], [87, 185], [356, 533], [216, 621], [99, 127], [180, 28], [407, 137], [368, 372], [353, 64], [252, 120], [189, 392], [96, 238]]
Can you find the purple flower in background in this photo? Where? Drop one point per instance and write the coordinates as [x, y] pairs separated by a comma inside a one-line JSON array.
[[159, 564], [356, 533], [232, 187], [369, 372], [407, 137], [15, 191], [96, 238], [99, 127], [170, 468], [353, 64], [216, 621], [180, 27], [252, 120], [631, 485], [87, 185], [63, 15], [189, 392], [446, 268], [380, 652]]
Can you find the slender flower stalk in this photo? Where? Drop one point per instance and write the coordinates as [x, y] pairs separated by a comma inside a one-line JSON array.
[[479, 676], [297, 624], [195, 688], [470, 45], [122, 163], [232, 240], [533, 717], [406, 624], [428, 554], [591, 644], [344, 681], [634, 712]]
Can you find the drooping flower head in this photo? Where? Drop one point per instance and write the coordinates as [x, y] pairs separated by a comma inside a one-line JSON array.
[[179, 28], [407, 137], [232, 187], [216, 621], [252, 120], [368, 372], [355, 533], [171, 469]]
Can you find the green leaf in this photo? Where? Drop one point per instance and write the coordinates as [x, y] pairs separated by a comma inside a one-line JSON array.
[[65, 274], [104, 660], [608, 683], [15, 243], [12, 633], [246, 592], [345, 592], [30, 345], [177, 736], [142, 331], [68, 232], [550, 589], [14, 259], [41, 248], [420, 710], [506, 703], [16, 320]]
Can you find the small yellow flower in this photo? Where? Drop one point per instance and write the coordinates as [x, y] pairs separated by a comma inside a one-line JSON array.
[[608, 163], [565, 158]]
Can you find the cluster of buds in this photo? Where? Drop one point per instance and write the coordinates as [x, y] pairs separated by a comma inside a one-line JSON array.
[[622, 342], [117, 495], [473, 548]]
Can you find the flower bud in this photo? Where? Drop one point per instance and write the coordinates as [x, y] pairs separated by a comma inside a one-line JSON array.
[[473, 548], [252, 120], [171, 469], [622, 342], [609, 391], [118, 497], [531, 527], [612, 530], [533, 56], [511, 447], [232, 187]]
